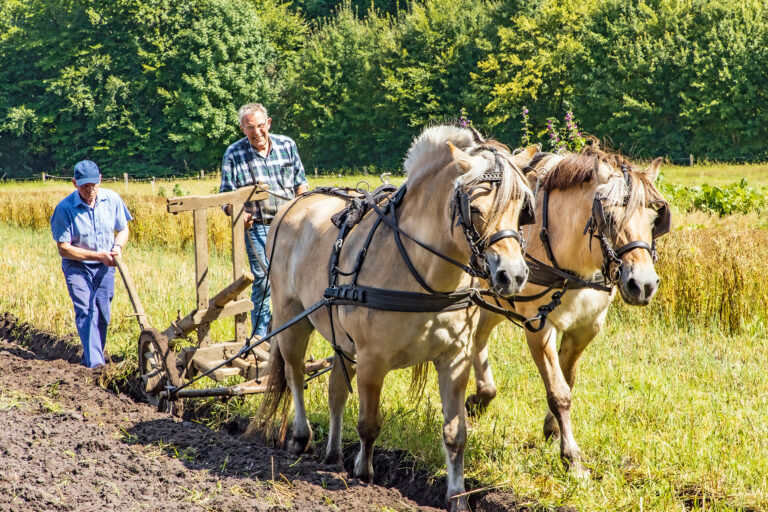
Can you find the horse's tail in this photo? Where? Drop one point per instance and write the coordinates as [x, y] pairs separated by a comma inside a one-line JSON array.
[[419, 375], [274, 402]]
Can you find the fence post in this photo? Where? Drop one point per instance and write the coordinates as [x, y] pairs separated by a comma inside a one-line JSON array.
[[153, 186], [43, 177], [202, 174], [125, 177], [690, 159], [315, 172]]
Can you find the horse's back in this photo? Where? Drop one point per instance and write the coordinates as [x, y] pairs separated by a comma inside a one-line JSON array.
[[300, 243]]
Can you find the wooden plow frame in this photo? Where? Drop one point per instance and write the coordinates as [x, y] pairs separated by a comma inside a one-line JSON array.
[[161, 365]]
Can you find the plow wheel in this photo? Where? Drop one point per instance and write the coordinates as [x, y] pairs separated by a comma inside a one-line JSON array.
[[157, 369]]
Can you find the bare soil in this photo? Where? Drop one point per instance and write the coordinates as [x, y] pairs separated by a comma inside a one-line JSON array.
[[67, 443]]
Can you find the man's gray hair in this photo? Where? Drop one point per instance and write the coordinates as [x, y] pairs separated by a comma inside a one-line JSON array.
[[249, 109]]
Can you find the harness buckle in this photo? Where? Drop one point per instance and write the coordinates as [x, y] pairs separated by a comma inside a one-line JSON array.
[[337, 245]]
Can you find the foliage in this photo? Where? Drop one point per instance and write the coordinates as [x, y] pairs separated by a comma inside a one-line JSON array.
[[676, 77], [721, 200], [360, 90], [331, 98], [531, 63], [314, 9], [735, 198], [150, 85], [137, 85], [426, 77]]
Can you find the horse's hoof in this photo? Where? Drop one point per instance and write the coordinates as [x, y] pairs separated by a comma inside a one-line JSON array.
[[299, 447], [458, 504], [475, 406], [333, 459], [579, 472], [363, 474]]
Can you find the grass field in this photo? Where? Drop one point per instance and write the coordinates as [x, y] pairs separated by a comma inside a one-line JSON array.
[[670, 407], [715, 174]]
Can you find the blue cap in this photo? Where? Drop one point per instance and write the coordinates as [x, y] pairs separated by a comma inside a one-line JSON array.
[[86, 172]]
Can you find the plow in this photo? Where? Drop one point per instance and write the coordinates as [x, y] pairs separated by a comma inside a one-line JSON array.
[[168, 365]]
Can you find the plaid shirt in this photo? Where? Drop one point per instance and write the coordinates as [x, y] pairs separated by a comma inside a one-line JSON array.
[[281, 169]]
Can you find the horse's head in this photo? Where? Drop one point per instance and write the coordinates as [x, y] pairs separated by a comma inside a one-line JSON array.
[[491, 201], [628, 214]]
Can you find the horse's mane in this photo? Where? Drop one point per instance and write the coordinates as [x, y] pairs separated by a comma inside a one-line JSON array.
[[576, 169], [430, 151]]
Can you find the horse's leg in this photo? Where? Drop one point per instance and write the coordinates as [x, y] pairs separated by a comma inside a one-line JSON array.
[[571, 348], [370, 379], [453, 377], [293, 346], [543, 347], [338, 392], [484, 385]]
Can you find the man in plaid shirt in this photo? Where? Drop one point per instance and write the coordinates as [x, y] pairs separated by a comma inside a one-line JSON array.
[[271, 159]]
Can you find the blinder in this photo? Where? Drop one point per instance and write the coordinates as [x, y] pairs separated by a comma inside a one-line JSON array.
[[528, 213], [663, 222], [462, 211], [598, 214], [598, 224]]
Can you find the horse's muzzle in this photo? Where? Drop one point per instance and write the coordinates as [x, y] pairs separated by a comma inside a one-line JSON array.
[[507, 279], [638, 285]]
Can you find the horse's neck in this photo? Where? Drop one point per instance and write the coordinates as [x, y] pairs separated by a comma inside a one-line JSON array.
[[423, 215], [569, 211]]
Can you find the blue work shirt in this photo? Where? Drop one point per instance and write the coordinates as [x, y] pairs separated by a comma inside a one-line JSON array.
[[89, 228]]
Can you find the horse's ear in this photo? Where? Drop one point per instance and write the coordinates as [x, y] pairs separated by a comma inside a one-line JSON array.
[[460, 158], [476, 135], [652, 172], [531, 151], [602, 172], [524, 157]]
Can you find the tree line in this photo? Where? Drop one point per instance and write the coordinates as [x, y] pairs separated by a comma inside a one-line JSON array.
[[152, 86]]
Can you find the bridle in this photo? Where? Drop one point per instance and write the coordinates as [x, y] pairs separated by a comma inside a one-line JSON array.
[[462, 210], [598, 223]]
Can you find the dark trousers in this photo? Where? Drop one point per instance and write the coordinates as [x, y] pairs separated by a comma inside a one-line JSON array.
[[91, 287]]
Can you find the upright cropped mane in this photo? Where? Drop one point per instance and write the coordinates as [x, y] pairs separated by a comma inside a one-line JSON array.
[[576, 169], [430, 151]]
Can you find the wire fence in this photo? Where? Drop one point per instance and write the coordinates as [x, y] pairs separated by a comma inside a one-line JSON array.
[[45, 177]]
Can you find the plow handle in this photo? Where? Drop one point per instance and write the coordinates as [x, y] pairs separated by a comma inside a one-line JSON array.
[[141, 317]]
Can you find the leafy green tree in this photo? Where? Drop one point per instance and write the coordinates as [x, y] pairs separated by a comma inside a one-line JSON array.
[[673, 77], [332, 100], [427, 77], [531, 64], [316, 9], [137, 85]]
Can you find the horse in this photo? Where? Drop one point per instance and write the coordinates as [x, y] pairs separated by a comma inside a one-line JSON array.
[[454, 180], [596, 214]]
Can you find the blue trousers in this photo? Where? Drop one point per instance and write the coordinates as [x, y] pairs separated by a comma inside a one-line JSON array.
[[260, 293], [91, 287]]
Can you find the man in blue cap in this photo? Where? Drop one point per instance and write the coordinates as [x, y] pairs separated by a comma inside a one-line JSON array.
[[90, 227]]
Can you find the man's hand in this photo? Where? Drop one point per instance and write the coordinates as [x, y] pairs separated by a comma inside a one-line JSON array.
[[106, 258], [248, 219]]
